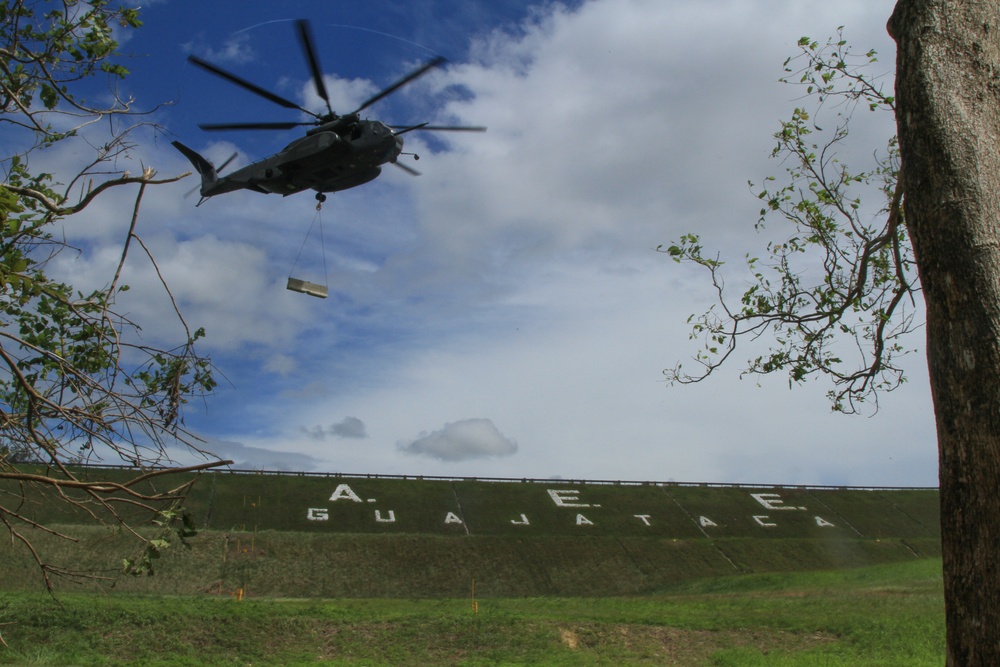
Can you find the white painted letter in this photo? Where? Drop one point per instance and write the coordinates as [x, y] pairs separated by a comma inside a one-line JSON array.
[[561, 498], [522, 522], [344, 492], [318, 514], [820, 521], [451, 517], [391, 519], [583, 521], [760, 520], [706, 522], [772, 501], [642, 517]]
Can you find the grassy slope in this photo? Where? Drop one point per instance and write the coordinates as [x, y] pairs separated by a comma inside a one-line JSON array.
[[597, 540], [286, 564], [225, 501]]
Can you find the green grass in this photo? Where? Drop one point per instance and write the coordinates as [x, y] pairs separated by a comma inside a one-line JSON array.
[[882, 615], [582, 539], [300, 565]]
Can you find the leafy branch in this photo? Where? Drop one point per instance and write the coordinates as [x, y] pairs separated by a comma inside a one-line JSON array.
[[77, 383], [863, 289]]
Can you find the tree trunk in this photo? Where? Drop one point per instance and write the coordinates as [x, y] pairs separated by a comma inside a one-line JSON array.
[[948, 116]]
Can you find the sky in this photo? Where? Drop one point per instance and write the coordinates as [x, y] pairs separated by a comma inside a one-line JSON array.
[[505, 314]]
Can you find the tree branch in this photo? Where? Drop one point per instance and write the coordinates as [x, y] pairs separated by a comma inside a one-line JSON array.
[[63, 211]]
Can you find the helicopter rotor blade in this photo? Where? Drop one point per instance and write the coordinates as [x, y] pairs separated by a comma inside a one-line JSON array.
[[420, 71], [243, 83], [213, 127], [439, 128], [403, 129], [305, 38]]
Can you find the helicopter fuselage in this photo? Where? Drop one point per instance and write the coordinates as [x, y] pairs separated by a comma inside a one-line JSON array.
[[331, 157], [339, 152]]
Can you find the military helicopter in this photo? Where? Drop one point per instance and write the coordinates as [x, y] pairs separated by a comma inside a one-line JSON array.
[[338, 153]]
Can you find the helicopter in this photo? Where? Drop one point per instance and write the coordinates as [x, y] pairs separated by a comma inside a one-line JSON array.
[[339, 152]]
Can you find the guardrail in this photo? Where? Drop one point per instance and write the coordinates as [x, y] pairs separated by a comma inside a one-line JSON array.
[[529, 480]]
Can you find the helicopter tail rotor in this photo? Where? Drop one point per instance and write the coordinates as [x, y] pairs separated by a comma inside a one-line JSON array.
[[218, 170], [201, 165], [209, 173]]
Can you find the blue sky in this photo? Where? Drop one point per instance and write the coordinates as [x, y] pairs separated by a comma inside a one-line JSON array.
[[504, 314]]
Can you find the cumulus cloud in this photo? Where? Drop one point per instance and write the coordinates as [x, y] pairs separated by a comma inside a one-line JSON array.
[[477, 289], [344, 94], [349, 428], [463, 440]]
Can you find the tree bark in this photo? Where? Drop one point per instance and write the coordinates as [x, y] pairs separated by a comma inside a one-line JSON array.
[[948, 117]]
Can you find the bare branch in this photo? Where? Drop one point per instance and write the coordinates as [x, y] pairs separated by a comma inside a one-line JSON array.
[[63, 211]]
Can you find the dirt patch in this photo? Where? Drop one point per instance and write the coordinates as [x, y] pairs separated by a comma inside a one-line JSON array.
[[676, 646]]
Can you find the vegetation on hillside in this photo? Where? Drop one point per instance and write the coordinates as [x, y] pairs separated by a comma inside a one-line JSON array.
[[315, 536]]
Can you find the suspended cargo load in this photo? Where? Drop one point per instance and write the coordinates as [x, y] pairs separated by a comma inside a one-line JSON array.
[[306, 287]]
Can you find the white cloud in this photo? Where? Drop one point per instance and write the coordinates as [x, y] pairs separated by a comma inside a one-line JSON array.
[[463, 440], [349, 428], [345, 95], [517, 278], [611, 130]]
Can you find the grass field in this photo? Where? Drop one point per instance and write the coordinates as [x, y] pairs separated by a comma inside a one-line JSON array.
[[882, 615], [288, 564]]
